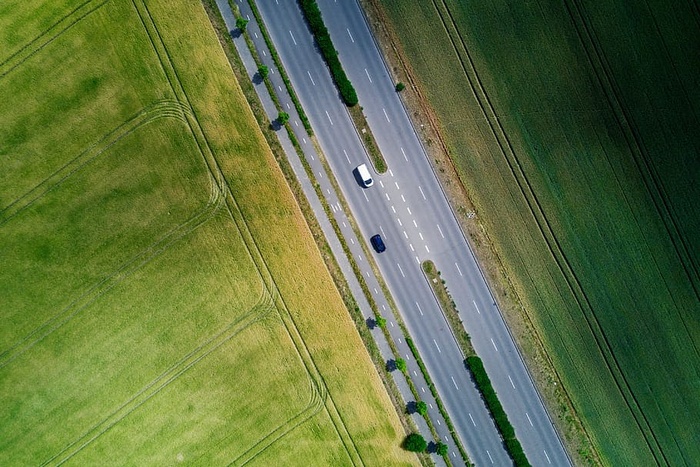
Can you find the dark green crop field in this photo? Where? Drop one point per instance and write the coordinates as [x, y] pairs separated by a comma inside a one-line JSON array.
[[575, 126], [162, 300]]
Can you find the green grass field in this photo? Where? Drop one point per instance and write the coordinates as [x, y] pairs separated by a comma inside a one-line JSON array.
[[574, 126], [163, 301]]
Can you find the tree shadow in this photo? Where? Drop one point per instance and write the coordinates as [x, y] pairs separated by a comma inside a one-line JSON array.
[[371, 323], [411, 407], [391, 365], [236, 33]]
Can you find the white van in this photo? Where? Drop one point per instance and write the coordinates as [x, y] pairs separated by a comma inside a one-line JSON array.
[[364, 175]]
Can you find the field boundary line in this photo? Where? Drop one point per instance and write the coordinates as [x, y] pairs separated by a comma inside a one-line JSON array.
[[256, 313], [179, 90], [64, 24], [161, 109]]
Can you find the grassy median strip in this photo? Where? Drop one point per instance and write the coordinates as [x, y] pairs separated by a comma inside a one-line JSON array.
[[475, 365]]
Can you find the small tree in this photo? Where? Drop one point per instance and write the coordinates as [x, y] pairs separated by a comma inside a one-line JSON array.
[[380, 321], [283, 118], [241, 23], [415, 443], [400, 87], [421, 408], [400, 365], [441, 448], [263, 71]]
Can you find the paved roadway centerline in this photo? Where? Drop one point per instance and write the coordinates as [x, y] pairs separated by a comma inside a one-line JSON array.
[[386, 115], [421, 192], [436, 345], [440, 230], [327, 114], [459, 270], [404, 154], [476, 306], [528, 419], [511, 381], [346, 156], [351, 38], [489, 454], [494, 345], [368, 77], [401, 270], [454, 382], [314, 83], [419, 309], [472, 419]]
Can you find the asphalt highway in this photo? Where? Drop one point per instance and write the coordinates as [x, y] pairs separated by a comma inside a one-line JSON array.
[[407, 206]]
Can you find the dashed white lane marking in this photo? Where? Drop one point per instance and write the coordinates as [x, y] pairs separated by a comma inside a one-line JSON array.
[[404, 154], [313, 159], [296, 123], [459, 270], [528, 419], [294, 40], [427, 249], [248, 16], [368, 77], [454, 382], [409, 210], [387, 197], [419, 234], [472, 419], [382, 229], [280, 88], [391, 173], [352, 241], [421, 192], [454, 455], [393, 209], [392, 323], [416, 225], [386, 115], [288, 106], [383, 308], [490, 458], [475, 306], [511, 382], [446, 438], [351, 38], [333, 207], [414, 373], [359, 257], [314, 83], [401, 270], [436, 345], [438, 422], [329, 117], [304, 140], [381, 183], [399, 221], [419, 310], [440, 230], [346, 156], [494, 345], [545, 455], [272, 71], [255, 34], [423, 389], [375, 291], [397, 185], [417, 260], [264, 54], [412, 249], [405, 234], [363, 192], [344, 224], [403, 199], [320, 175], [430, 405]]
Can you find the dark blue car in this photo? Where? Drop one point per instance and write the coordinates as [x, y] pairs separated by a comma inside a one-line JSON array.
[[377, 243]]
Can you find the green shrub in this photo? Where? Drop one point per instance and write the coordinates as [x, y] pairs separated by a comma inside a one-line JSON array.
[[415, 443], [421, 408], [441, 448], [513, 446], [400, 87], [330, 55]]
